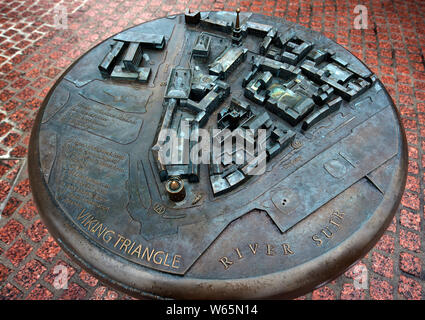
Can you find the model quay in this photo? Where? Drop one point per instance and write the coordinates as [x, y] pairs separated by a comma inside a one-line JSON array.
[[216, 155]]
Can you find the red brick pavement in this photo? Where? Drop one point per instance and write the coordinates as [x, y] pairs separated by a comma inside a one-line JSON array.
[[33, 54]]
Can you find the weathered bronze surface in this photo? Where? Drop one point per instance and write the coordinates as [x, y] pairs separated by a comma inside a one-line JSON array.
[[336, 159]]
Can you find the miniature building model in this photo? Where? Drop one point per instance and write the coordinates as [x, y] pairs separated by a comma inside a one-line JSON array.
[[291, 84], [125, 57]]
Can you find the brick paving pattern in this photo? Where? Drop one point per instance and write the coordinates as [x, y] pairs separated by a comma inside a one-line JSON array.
[[34, 52]]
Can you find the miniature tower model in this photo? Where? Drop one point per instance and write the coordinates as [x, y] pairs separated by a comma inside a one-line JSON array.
[[237, 34]]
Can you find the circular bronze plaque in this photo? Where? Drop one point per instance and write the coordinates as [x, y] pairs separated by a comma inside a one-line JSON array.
[[313, 172]]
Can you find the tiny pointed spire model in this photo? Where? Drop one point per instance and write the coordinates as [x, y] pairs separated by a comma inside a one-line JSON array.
[[237, 34]]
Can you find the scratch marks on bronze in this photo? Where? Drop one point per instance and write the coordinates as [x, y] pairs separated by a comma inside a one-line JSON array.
[[165, 56], [133, 219], [143, 186], [346, 158], [49, 141], [74, 82], [109, 128], [130, 99], [177, 216], [154, 176], [183, 49], [340, 126], [152, 85], [178, 42], [370, 179], [50, 115], [327, 124], [317, 130]]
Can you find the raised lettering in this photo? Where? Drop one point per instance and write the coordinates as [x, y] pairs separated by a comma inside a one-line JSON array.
[[287, 249], [176, 259], [149, 255], [125, 244], [339, 214], [107, 237], [328, 235], [253, 249], [226, 262], [159, 261], [270, 250], [120, 237], [80, 215], [317, 240], [334, 223], [138, 249], [165, 260], [239, 253]]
